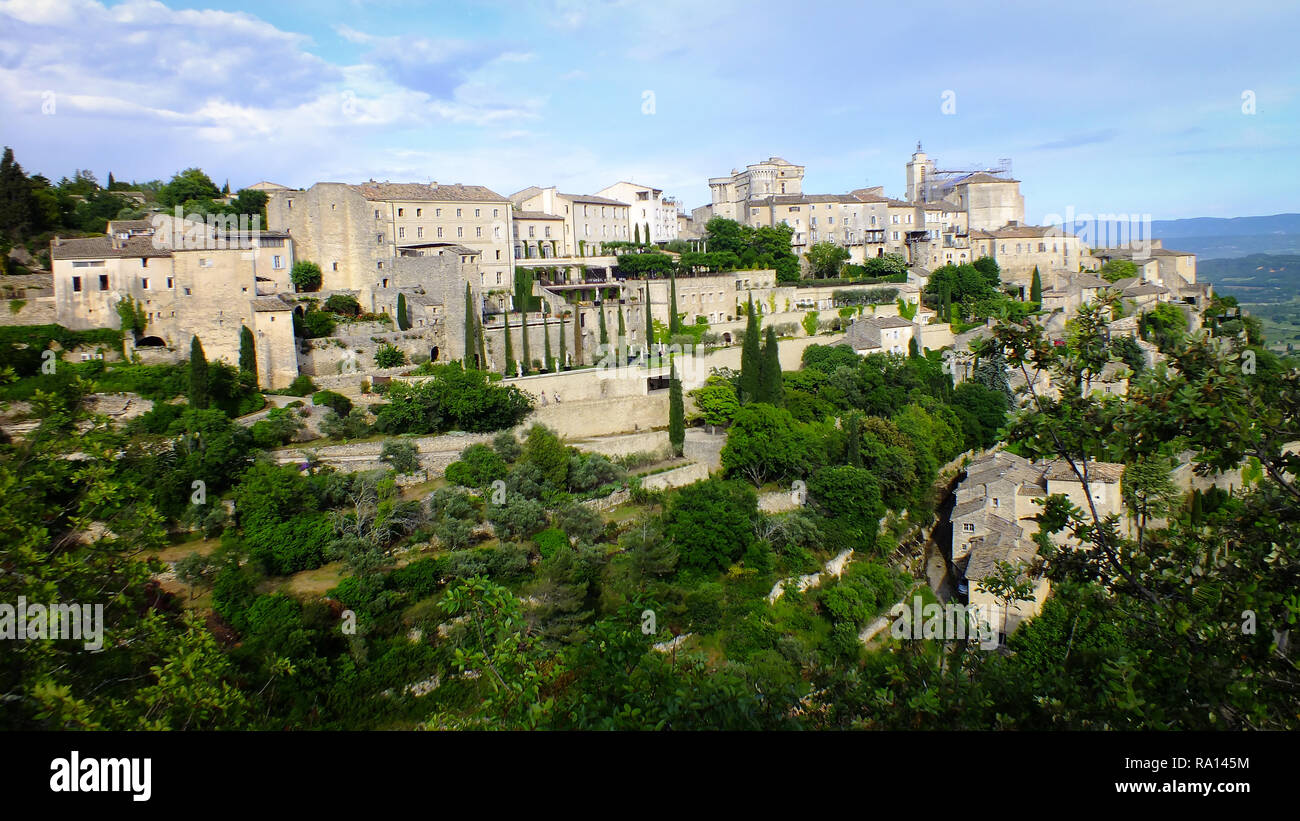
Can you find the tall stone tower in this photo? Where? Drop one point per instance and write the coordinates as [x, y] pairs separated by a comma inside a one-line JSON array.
[[919, 171]]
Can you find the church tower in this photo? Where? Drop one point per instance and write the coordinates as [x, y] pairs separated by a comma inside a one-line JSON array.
[[919, 171]]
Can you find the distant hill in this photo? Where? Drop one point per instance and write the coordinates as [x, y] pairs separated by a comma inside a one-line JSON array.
[[1254, 278], [1230, 237]]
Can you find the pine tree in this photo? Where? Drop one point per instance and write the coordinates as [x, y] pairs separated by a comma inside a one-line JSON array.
[[564, 350], [676, 413], [751, 358], [508, 368], [403, 321], [247, 351], [674, 321], [470, 335], [16, 205], [771, 382], [1036, 288], [225, 189], [198, 375]]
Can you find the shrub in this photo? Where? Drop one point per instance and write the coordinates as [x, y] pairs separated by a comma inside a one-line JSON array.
[[301, 386], [551, 540], [389, 356], [336, 402]]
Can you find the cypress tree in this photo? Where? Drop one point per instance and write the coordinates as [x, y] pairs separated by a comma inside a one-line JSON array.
[[198, 375], [508, 368], [247, 351], [110, 180], [564, 350], [674, 322], [482, 345], [523, 333], [751, 358], [604, 332], [771, 383], [403, 322], [636, 234], [676, 413], [647, 233], [548, 363], [649, 321], [470, 335], [913, 350], [1036, 288], [622, 334]]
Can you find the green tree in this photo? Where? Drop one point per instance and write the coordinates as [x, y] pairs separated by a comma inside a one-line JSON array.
[[247, 352], [751, 358], [187, 186], [1036, 288], [636, 233], [711, 523], [523, 335], [198, 375], [600, 318], [649, 321], [826, 259], [471, 334], [549, 362], [1117, 269], [766, 443], [771, 387], [403, 317], [402, 456], [508, 367], [674, 321], [717, 401], [676, 413], [564, 349], [389, 356], [305, 276]]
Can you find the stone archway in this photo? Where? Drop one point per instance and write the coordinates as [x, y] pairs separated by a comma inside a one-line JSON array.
[[433, 354]]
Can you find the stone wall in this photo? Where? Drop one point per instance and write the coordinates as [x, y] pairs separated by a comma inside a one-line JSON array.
[[34, 311], [677, 477]]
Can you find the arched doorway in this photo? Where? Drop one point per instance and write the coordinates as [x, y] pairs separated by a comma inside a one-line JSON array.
[[433, 354], [726, 337], [151, 342]]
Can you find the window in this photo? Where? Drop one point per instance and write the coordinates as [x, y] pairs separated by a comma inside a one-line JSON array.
[[477, 212], [548, 231], [419, 233], [437, 212], [376, 213], [103, 282], [498, 255], [171, 283], [401, 212], [380, 266], [995, 503], [277, 261], [460, 232], [290, 205], [439, 233], [76, 284], [379, 239], [401, 233], [478, 232], [205, 263], [419, 212], [496, 212], [968, 527], [144, 283], [458, 212], [188, 292], [530, 232]]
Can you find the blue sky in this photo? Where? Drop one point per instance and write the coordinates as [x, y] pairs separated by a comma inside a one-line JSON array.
[[1104, 107]]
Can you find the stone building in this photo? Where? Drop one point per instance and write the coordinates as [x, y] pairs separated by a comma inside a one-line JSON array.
[[355, 231], [648, 208]]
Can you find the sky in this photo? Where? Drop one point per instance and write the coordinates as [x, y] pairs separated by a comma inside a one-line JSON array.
[[1168, 109]]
